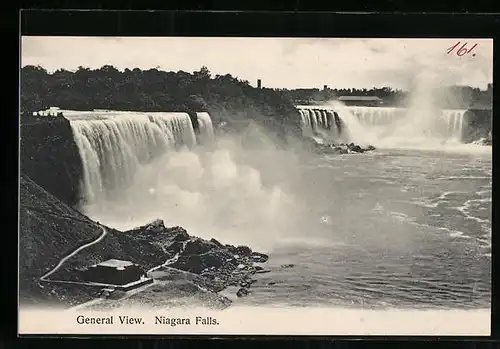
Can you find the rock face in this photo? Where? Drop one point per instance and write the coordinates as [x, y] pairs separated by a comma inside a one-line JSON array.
[[477, 125], [50, 157]]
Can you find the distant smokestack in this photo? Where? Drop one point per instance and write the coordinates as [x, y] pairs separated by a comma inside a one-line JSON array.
[[259, 83]]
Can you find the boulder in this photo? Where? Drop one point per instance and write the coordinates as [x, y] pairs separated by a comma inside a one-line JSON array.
[[174, 247], [244, 250], [196, 263], [197, 246], [157, 224], [259, 257], [216, 243], [242, 292], [180, 237]]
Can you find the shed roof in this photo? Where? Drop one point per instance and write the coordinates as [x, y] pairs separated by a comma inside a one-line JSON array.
[[115, 263]]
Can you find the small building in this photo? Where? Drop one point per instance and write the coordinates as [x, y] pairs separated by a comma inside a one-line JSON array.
[[113, 272], [362, 101]]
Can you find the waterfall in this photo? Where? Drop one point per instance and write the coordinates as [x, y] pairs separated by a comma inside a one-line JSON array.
[[113, 145], [306, 124], [455, 122], [320, 122], [384, 126], [206, 127], [447, 124]]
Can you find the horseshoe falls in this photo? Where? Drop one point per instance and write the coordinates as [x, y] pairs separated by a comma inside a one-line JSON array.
[[388, 127]]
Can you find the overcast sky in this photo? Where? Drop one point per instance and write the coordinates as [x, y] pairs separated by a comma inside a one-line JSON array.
[[279, 62]]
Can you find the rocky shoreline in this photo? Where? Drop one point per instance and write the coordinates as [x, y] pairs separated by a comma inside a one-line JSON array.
[[166, 254], [217, 265]]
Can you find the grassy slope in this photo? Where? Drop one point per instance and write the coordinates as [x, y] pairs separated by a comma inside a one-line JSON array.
[[48, 230]]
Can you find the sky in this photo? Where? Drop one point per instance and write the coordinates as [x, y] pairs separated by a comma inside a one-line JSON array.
[[278, 62]]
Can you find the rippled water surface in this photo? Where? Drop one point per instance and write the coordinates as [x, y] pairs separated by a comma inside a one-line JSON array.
[[388, 229]]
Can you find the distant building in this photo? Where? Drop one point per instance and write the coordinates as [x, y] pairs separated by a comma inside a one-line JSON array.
[[259, 83], [365, 101], [113, 271]]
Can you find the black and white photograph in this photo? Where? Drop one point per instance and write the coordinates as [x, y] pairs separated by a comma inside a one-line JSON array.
[[255, 185]]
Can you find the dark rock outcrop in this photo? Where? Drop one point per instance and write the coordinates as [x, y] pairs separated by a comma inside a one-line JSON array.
[[259, 257], [50, 157], [331, 148], [242, 292], [477, 125]]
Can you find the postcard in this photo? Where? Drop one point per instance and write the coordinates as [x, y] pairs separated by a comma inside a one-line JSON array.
[[255, 185]]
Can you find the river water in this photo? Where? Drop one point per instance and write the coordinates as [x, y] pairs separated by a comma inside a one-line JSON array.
[[405, 226], [392, 229]]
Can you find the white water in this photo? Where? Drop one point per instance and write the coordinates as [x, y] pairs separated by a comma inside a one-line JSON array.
[[114, 145], [320, 121], [398, 128], [206, 128]]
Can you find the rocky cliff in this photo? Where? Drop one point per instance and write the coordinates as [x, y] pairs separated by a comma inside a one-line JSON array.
[[49, 156], [478, 124]]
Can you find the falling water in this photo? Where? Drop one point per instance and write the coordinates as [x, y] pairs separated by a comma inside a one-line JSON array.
[[206, 128], [113, 145], [388, 126]]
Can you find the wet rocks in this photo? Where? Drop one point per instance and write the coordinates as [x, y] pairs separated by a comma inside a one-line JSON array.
[[242, 292], [332, 148]]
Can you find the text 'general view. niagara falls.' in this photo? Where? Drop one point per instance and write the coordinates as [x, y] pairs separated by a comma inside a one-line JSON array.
[[326, 186]]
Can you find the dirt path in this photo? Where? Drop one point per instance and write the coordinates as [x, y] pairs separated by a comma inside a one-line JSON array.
[[64, 259]]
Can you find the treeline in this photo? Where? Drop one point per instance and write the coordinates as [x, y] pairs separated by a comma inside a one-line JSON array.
[[224, 96], [451, 97]]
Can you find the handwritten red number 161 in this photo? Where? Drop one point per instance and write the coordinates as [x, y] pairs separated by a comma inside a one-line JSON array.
[[462, 50]]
